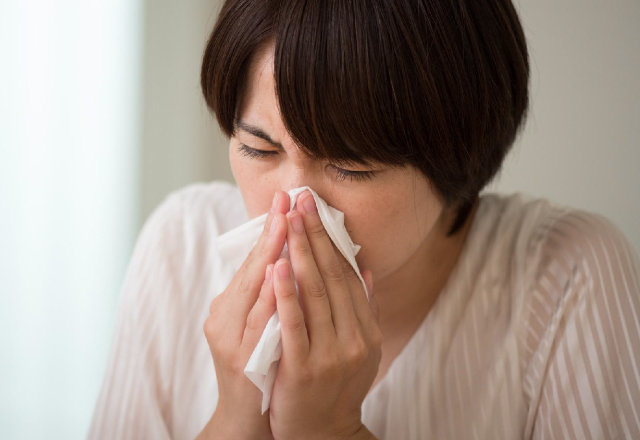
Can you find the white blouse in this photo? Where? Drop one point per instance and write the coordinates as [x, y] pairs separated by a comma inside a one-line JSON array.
[[535, 336]]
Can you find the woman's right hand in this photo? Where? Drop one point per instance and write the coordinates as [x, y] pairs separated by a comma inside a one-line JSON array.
[[237, 318]]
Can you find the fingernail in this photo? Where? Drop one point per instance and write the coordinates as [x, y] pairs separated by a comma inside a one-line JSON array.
[[283, 270], [296, 223], [274, 203], [274, 225], [309, 204], [267, 275]]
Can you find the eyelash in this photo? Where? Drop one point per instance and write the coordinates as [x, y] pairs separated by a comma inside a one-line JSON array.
[[342, 174]]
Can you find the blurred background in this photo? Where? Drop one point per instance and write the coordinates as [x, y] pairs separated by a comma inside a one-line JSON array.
[[101, 117]]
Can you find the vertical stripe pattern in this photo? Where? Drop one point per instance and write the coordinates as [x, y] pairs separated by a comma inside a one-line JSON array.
[[535, 336]]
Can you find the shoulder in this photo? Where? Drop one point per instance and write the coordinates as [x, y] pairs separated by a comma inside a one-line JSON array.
[[587, 239], [582, 248], [578, 269], [518, 217], [553, 249], [539, 232], [215, 206], [583, 323], [506, 231], [176, 241], [583, 261], [196, 212]]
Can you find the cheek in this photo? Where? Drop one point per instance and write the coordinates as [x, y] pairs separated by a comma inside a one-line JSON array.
[[256, 192], [387, 239]]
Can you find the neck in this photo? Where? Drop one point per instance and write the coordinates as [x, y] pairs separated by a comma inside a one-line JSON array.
[[412, 289]]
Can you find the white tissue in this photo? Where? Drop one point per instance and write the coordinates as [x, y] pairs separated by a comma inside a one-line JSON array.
[[235, 245]]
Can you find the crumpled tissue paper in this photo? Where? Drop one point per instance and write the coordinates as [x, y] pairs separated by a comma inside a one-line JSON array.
[[235, 246]]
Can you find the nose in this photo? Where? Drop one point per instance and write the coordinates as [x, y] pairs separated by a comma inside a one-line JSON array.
[[300, 169], [297, 178], [300, 182], [299, 175]]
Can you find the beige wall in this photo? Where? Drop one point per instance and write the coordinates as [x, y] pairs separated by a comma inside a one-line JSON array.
[[181, 142], [581, 145]]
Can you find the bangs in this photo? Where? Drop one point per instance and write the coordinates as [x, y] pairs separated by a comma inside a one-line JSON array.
[[441, 85], [337, 96], [333, 84]]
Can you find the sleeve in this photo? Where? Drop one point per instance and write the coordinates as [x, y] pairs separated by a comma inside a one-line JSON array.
[[584, 376], [134, 400]]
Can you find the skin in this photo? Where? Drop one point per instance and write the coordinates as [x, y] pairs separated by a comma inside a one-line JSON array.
[[346, 343]]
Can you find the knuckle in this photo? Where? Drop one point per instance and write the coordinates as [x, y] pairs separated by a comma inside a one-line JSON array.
[[262, 248], [306, 375], [236, 364], [258, 252], [333, 271], [253, 323], [246, 285], [332, 365], [357, 352], [255, 254], [248, 261], [376, 337], [288, 293], [267, 225], [294, 324], [209, 327], [316, 289], [375, 310], [302, 248], [215, 304], [224, 352], [264, 299], [316, 230], [341, 258], [348, 272]]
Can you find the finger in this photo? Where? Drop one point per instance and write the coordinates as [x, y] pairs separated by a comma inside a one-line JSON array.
[[313, 294], [373, 303], [374, 334], [264, 248], [330, 268], [295, 340], [247, 283], [261, 312], [358, 293]]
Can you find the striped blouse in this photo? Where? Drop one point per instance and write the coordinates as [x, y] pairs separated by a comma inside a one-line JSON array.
[[536, 334]]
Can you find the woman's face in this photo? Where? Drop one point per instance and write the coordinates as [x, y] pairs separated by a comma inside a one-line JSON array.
[[388, 215]]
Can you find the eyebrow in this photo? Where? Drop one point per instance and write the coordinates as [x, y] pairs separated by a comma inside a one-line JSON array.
[[257, 132]]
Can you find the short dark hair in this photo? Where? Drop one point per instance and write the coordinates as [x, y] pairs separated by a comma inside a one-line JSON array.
[[441, 85]]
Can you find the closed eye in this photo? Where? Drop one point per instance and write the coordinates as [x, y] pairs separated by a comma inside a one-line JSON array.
[[252, 152], [341, 174]]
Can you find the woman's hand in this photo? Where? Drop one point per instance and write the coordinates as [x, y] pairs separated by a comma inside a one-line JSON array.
[[330, 338], [238, 316]]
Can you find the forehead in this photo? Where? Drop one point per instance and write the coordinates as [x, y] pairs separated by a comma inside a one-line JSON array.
[[259, 107], [259, 104]]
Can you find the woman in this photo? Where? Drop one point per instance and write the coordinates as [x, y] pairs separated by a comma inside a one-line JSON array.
[[492, 316]]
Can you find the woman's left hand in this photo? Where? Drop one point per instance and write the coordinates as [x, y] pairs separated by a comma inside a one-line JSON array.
[[330, 337]]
